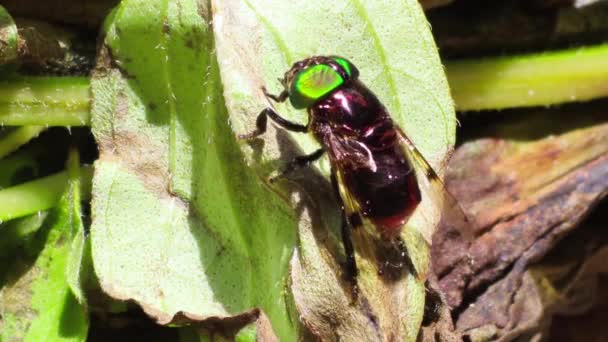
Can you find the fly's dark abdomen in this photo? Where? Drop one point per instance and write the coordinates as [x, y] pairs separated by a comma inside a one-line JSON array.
[[359, 135], [387, 195]]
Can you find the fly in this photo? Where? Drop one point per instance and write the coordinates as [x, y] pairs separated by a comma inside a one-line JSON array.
[[376, 170]]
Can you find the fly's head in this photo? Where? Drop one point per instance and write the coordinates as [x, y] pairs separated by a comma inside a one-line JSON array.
[[313, 78]]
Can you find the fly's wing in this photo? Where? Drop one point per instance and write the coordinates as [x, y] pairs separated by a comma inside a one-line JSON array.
[[444, 205], [350, 153], [351, 206], [346, 153]]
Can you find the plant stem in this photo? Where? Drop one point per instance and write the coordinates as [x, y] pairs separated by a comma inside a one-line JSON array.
[[45, 101], [12, 141], [40, 194], [16, 162], [530, 80]]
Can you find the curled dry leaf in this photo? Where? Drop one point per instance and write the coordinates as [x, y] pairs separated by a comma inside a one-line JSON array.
[[253, 322], [428, 4], [590, 326], [76, 12], [437, 325], [526, 195], [472, 29], [8, 37]]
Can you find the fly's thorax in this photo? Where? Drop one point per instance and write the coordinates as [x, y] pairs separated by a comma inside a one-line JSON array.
[[351, 107]]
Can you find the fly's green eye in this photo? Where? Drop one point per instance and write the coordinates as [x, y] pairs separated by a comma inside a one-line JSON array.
[[350, 69], [344, 64], [313, 83]]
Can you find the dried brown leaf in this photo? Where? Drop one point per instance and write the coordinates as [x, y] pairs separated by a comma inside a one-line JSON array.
[[525, 196]]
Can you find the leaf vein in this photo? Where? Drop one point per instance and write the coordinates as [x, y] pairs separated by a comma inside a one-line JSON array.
[[381, 52]]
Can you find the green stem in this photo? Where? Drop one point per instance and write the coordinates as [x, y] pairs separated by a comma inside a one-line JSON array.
[[530, 80], [45, 101], [74, 176], [13, 164], [15, 139], [40, 194]]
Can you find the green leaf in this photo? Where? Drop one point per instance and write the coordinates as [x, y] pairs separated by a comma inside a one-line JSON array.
[[174, 225], [184, 221], [36, 301], [247, 334], [14, 235], [390, 43], [80, 263]]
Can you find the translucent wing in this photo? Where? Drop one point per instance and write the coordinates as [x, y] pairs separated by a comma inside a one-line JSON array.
[[444, 205], [347, 151], [351, 206]]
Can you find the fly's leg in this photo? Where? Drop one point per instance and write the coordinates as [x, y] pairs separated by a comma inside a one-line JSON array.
[[406, 257], [262, 121], [277, 98], [351, 263], [394, 259], [297, 163]]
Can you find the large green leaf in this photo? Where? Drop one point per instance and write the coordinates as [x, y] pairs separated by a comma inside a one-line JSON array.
[[179, 222], [257, 41], [183, 219]]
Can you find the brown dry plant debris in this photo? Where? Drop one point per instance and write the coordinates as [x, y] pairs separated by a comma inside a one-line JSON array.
[[75, 12], [474, 28], [525, 191]]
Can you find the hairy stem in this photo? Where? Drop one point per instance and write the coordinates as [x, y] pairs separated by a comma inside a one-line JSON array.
[[45, 101]]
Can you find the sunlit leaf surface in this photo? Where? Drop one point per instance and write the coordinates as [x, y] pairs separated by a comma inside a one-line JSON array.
[[183, 218]]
